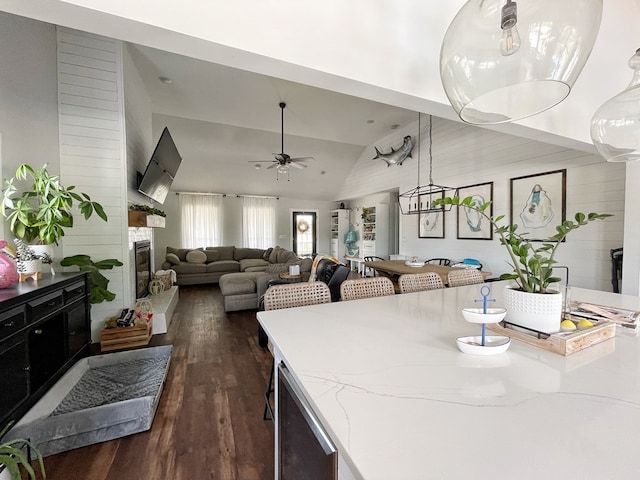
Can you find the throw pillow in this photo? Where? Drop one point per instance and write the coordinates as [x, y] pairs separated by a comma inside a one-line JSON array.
[[196, 256], [267, 253], [173, 259]]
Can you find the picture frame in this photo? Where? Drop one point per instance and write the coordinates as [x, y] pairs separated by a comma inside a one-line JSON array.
[[471, 225], [538, 203], [431, 224]]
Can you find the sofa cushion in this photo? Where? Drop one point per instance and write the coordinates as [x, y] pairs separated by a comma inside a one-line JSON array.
[[186, 267], [212, 255], [237, 284], [287, 256], [223, 266], [273, 256], [226, 253], [250, 264], [196, 256], [267, 253], [305, 265], [173, 259], [180, 252], [242, 253]]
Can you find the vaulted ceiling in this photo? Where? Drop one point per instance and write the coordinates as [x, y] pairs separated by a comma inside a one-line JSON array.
[[223, 118]]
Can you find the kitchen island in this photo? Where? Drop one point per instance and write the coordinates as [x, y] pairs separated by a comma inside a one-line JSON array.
[[401, 402]]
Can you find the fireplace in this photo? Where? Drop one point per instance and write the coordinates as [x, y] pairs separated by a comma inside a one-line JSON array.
[[143, 267]]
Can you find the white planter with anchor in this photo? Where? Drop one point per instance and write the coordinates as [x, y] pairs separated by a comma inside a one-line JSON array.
[[537, 311]]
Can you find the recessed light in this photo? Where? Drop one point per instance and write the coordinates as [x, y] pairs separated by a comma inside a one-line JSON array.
[[323, 172], [257, 166], [166, 80], [370, 121]]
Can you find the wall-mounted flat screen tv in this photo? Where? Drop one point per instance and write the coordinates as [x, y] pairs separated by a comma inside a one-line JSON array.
[[161, 169]]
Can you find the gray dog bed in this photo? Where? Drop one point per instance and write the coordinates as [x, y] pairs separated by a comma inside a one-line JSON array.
[[100, 398]]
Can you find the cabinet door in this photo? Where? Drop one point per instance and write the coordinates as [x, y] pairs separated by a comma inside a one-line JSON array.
[[77, 329], [46, 350], [14, 375]]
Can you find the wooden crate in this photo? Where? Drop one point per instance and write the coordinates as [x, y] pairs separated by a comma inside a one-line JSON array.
[[562, 343], [124, 337]]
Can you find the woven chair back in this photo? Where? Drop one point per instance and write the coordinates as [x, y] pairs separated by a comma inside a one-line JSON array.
[[366, 288], [419, 282], [296, 295], [467, 276]]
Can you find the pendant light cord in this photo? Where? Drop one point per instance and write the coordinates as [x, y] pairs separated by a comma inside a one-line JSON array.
[[430, 150]]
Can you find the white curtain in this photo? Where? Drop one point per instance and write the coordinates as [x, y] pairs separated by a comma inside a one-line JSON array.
[[258, 222], [201, 224]]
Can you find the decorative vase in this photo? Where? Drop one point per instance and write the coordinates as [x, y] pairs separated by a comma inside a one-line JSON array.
[[29, 266], [46, 254], [541, 312], [8, 271]]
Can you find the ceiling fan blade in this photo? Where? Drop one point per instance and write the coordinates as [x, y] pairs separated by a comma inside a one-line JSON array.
[[259, 161], [303, 159], [297, 165], [273, 165]]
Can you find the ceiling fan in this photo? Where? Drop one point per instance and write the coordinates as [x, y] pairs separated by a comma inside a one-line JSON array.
[[283, 161]]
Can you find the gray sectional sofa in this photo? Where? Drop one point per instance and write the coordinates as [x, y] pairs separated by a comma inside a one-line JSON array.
[[207, 265]]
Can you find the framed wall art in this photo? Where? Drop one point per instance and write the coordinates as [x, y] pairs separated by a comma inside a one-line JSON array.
[[538, 203], [431, 224], [472, 225]]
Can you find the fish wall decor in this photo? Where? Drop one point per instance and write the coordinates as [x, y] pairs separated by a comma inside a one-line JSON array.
[[396, 157]]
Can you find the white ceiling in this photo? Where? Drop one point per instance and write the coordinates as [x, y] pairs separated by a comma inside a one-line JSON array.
[[221, 118]]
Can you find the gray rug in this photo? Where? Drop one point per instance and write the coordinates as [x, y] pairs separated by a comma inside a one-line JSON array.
[[100, 398]]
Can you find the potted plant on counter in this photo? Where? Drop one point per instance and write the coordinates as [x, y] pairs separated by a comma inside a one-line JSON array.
[[40, 213], [532, 267]]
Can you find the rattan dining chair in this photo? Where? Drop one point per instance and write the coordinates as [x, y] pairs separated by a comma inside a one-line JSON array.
[[419, 282], [291, 295], [465, 276], [366, 288]]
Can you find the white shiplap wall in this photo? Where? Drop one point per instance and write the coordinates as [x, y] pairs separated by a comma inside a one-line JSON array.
[[466, 155], [92, 154]]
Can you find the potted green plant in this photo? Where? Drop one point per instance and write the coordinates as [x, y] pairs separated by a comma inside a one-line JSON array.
[[98, 283], [43, 210], [27, 260], [13, 458], [532, 267]]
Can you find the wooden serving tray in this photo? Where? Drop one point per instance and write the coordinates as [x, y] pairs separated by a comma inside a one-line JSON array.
[[562, 343]]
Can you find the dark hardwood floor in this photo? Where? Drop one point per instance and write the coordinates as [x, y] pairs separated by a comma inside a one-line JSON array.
[[209, 421]]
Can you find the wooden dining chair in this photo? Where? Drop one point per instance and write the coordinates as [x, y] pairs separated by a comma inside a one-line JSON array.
[[366, 288], [445, 262], [419, 282], [290, 295], [371, 258], [465, 276]]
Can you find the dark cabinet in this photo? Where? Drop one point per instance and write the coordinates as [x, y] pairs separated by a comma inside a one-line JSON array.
[[44, 329]]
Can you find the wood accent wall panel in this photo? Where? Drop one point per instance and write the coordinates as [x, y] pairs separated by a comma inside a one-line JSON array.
[[92, 153]]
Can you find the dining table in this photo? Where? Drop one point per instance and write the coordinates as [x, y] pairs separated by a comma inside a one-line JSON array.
[[390, 387], [394, 268]]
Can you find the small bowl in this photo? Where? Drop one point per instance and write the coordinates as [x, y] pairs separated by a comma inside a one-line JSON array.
[[476, 315], [493, 345]]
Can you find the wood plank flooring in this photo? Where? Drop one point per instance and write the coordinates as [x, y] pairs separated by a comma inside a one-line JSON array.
[[209, 421]]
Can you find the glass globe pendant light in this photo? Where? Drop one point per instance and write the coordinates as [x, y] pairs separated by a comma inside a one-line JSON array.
[[502, 61], [615, 127]]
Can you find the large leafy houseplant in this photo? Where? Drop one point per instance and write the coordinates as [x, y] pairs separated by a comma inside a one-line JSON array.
[[42, 212], [98, 283], [532, 266], [12, 457]]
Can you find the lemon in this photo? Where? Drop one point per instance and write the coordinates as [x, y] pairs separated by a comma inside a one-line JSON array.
[[584, 324], [567, 326]]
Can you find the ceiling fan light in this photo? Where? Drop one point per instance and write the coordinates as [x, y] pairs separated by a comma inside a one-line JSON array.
[[485, 86], [283, 169], [615, 127]]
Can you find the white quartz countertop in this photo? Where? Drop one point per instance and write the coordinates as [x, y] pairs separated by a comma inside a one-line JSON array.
[[401, 402]]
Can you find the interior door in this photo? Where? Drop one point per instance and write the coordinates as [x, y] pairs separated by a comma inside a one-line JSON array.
[[304, 234]]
